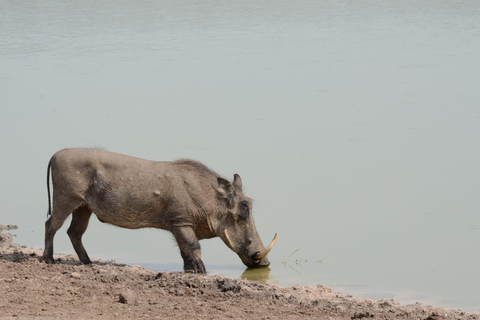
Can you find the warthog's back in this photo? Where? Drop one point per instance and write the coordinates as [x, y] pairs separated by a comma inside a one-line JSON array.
[[126, 191]]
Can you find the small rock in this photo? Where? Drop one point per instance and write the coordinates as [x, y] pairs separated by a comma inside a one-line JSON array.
[[127, 297], [75, 275], [386, 303], [246, 289], [6, 238], [179, 292], [228, 285]]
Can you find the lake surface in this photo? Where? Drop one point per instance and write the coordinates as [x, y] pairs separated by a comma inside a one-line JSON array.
[[355, 127]]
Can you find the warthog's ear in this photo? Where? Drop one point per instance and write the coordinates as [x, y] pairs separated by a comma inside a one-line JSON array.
[[225, 191], [237, 182]]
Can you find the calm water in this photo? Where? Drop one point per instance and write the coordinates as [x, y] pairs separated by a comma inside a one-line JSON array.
[[354, 125]]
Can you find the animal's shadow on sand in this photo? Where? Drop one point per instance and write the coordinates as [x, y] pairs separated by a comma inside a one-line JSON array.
[[10, 251], [18, 256]]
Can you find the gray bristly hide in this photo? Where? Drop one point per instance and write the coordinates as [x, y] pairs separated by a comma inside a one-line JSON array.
[[184, 197]]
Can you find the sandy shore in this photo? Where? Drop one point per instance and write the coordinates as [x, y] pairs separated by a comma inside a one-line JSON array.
[[31, 289]]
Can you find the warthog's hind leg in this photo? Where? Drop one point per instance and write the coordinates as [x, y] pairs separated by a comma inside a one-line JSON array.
[[190, 249], [78, 226], [52, 225]]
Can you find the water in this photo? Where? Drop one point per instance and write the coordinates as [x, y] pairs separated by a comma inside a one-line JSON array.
[[354, 126]]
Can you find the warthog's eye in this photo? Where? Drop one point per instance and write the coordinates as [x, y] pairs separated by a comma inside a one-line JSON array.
[[243, 210]]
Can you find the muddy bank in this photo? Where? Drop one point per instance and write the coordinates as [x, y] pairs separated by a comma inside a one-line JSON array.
[[31, 289]]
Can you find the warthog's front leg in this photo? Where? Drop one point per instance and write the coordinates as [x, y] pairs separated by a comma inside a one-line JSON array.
[[190, 249]]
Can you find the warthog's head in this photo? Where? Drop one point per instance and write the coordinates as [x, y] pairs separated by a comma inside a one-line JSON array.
[[236, 226]]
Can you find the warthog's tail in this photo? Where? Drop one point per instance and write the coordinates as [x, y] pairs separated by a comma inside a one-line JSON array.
[[48, 188]]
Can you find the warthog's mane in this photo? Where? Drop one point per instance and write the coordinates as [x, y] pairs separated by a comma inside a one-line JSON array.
[[197, 166]]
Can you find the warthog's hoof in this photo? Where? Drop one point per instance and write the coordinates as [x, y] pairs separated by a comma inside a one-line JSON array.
[[48, 260], [87, 261]]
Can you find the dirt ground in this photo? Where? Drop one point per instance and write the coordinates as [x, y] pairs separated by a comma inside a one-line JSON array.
[[31, 289]]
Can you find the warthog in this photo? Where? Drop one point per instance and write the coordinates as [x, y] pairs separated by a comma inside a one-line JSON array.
[[184, 197]]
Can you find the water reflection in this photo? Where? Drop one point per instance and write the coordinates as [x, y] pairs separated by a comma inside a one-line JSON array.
[[295, 263], [261, 275]]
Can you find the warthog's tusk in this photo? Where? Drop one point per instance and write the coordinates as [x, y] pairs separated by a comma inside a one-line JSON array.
[[261, 255], [229, 242]]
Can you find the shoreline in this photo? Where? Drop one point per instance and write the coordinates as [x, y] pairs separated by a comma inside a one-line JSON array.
[[32, 289]]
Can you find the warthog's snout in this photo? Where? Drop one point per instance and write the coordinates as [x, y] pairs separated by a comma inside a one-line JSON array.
[[259, 259], [260, 263]]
